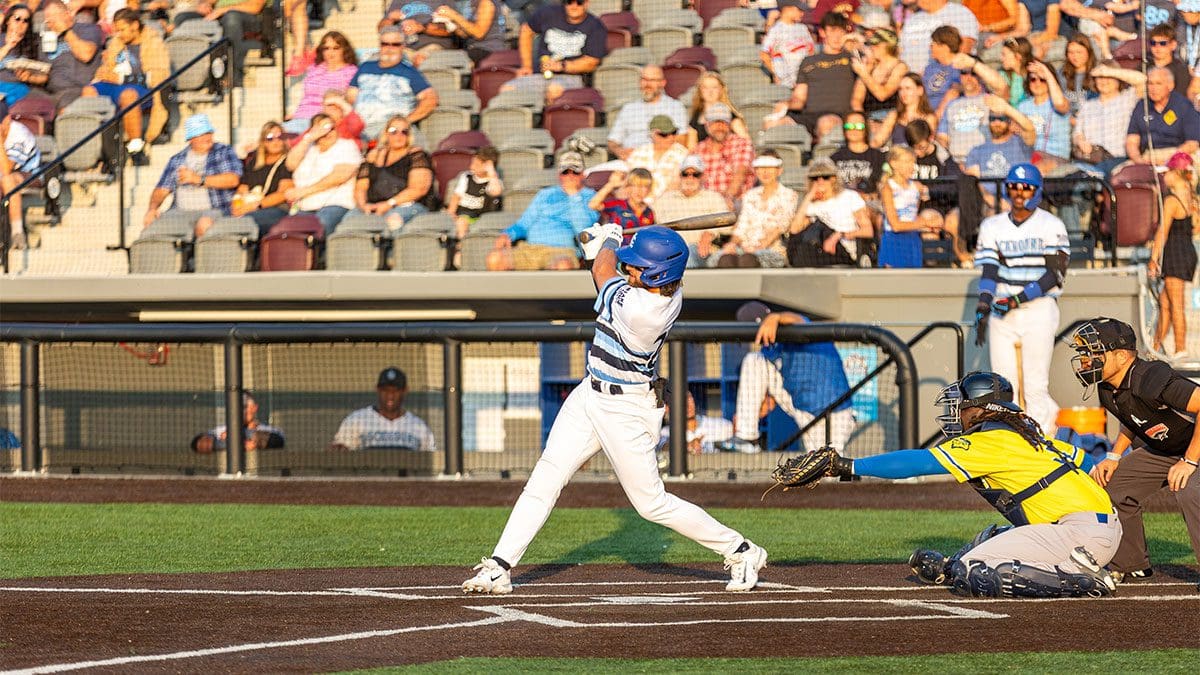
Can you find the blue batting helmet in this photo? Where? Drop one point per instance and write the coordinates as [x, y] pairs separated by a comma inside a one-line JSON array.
[[1029, 175], [659, 251]]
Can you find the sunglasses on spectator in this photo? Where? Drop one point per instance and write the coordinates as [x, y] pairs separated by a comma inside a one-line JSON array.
[[272, 137], [997, 118], [822, 178], [398, 130], [854, 126], [574, 2], [391, 44], [1019, 187], [570, 172], [691, 174], [664, 134], [1033, 79], [20, 19], [1160, 43]]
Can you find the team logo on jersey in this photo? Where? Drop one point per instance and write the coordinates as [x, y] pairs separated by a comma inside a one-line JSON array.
[[960, 445], [1135, 419], [1158, 432]]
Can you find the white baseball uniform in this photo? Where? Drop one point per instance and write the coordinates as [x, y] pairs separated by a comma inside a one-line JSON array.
[[615, 409], [1019, 252], [366, 429]]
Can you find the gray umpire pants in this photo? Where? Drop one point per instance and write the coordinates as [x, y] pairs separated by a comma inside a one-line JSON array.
[[1139, 475]]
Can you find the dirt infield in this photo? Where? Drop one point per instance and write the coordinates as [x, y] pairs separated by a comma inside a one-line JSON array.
[[318, 620]]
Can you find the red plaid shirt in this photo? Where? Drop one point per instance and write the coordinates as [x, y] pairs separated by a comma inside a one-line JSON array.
[[721, 161]]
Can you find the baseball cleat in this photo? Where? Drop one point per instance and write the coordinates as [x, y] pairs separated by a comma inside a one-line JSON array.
[[743, 568], [490, 578], [1125, 577], [1104, 580]]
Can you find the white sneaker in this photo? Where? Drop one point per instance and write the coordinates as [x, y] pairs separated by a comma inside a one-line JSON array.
[[1083, 558], [743, 568], [135, 145], [491, 578]]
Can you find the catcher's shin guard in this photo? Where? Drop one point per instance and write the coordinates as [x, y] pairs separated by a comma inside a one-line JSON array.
[[974, 578], [1026, 581], [931, 567]]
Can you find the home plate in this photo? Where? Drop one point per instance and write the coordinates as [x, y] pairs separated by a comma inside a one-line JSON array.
[[642, 599]]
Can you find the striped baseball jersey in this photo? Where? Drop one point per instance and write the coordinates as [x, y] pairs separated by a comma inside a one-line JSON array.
[[1004, 460], [631, 325], [1019, 251]]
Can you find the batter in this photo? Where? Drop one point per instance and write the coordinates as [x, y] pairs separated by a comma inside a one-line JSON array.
[[618, 408]]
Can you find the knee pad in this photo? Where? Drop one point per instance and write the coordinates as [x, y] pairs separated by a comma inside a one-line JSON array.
[[931, 567], [974, 578], [985, 534]]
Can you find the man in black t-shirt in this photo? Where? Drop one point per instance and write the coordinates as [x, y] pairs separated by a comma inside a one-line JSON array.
[[824, 82], [1157, 409], [572, 43]]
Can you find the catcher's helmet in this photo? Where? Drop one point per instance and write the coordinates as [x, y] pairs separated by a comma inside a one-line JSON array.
[[979, 389], [1092, 340], [1029, 175], [659, 251]]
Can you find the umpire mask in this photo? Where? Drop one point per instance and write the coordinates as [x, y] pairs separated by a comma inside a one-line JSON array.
[[1088, 362]]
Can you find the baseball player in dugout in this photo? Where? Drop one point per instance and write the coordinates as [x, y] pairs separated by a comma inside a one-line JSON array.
[[1063, 528], [618, 409], [1157, 409], [1023, 255]]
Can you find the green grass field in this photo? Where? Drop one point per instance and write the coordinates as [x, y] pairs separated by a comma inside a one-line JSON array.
[[46, 540]]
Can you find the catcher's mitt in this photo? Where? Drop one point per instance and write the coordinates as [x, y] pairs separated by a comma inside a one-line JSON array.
[[808, 469]]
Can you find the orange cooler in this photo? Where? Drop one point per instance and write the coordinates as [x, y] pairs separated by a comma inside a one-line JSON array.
[[1083, 420]]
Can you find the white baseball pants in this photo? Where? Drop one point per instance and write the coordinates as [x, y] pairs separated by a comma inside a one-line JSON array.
[[1049, 545], [1033, 325], [626, 427], [759, 377]]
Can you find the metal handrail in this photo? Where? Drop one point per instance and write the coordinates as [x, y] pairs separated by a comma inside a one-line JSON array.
[[222, 44]]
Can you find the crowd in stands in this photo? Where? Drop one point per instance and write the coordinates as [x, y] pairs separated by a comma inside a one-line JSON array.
[[917, 105]]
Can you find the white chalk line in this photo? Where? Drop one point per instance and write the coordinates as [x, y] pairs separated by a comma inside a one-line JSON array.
[[254, 646], [512, 614]]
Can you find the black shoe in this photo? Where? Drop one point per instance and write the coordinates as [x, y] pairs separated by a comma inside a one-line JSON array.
[[139, 159]]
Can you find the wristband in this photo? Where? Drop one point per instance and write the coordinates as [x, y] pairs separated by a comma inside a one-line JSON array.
[[1188, 461], [1113, 456], [611, 243]]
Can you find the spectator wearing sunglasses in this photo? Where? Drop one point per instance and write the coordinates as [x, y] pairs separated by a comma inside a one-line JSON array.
[[662, 156], [387, 86], [1012, 135], [323, 167], [396, 181], [573, 41], [261, 192], [1163, 54], [1047, 107], [688, 200], [544, 238]]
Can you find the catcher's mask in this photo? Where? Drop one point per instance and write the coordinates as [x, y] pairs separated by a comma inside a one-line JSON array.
[[986, 390], [1092, 341]]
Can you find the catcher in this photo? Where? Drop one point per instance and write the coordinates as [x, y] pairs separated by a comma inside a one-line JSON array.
[[1063, 528]]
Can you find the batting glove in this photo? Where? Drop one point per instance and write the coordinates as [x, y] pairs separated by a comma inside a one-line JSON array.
[[983, 311], [1005, 305]]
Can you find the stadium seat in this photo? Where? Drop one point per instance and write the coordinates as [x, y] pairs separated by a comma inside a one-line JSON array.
[[449, 163], [452, 59], [692, 56], [743, 78], [520, 161], [517, 200], [602, 7], [681, 77], [506, 57], [513, 98], [71, 126], [709, 9], [629, 56], [650, 11], [754, 114], [791, 135], [36, 111], [497, 122], [536, 139], [535, 180], [359, 244], [460, 99], [662, 40], [421, 245], [764, 92], [466, 141], [1136, 203], [618, 38], [227, 247], [598, 136], [619, 83], [443, 79], [190, 39], [443, 122], [487, 81], [293, 244], [731, 44], [739, 16], [792, 156], [562, 120], [163, 247], [624, 25], [481, 239]]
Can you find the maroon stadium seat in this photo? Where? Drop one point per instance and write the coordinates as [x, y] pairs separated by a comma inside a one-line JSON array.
[[692, 56], [584, 96], [1136, 203], [487, 81], [449, 163], [681, 77], [292, 244], [562, 120], [468, 141], [709, 9], [622, 26], [510, 58]]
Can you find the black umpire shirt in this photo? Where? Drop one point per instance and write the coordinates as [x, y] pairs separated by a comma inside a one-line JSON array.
[[1152, 404]]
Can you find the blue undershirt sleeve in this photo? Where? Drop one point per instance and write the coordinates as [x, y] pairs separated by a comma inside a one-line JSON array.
[[899, 464]]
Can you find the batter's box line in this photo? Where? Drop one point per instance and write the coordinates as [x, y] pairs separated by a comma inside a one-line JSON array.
[[511, 614]]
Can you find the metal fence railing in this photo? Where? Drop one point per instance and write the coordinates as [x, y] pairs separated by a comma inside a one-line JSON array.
[[130, 398]]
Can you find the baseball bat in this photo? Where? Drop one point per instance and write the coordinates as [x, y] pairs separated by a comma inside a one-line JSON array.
[[1020, 375], [705, 222]]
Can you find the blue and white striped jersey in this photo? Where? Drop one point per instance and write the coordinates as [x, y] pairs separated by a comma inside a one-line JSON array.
[[631, 325], [1020, 251]]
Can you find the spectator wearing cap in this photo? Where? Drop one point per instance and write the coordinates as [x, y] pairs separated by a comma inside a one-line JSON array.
[[73, 50], [324, 167], [662, 156], [573, 41], [710, 90], [257, 434], [628, 208], [787, 43], [1170, 124], [202, 177], [914, 36], [832, 224], [1102, 123], [385, 425], [633, 126], [964, 124], [767, 211], [1011, 135], [548, 228], [726, 155], [879, 76], [824, 83], [21, 158], [688, 200], [387, 86]]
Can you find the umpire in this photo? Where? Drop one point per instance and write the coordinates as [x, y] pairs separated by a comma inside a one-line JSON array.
[[1157, 409]]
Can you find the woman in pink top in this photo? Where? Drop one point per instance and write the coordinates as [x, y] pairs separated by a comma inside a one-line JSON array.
[[335, 66]]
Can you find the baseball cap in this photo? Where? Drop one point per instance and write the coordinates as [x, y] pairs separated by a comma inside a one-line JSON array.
[[663, 124], [1188, 6], [766, 162], [718, 112], [822, 167], [753, 311], [392, 377], [571, 161], [1114, 334], [692, 162], [798, 4], [883, 36], [197, 125], [1180, 160]]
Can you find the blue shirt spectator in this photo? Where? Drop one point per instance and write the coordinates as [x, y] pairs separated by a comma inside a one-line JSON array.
[[554, 218], [1053, 128], [993, 158], [181, 174], [939, 79], [387, 86]]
